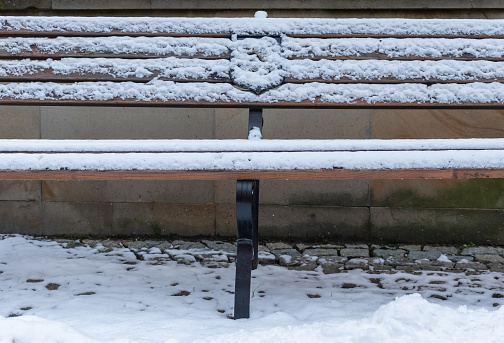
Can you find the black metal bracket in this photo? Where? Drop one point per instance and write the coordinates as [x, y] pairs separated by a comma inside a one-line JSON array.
[[247, 218], [247, 257]]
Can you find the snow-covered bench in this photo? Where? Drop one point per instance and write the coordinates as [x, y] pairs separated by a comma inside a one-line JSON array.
[[254, 63]]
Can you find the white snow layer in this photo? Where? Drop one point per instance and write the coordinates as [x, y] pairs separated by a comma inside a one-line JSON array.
[[257, 26], [165, 91], [110, 296], [355, 160]]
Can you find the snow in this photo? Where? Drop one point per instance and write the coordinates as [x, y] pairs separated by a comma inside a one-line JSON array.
[[254, 65], [102, 299], [257, 26]]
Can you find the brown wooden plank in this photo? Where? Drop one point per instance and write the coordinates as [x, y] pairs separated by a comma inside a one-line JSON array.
[[389, 80], [120, 33], [381, 56], [36, 53], [336, 174], [232, 104], [48, 75], [381, 36]]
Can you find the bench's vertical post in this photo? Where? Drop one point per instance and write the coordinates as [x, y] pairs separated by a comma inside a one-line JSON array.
[[245, 194], [255, 121], [247, 218]]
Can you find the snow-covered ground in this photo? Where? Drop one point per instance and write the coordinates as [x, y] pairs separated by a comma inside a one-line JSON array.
[[52, 294]]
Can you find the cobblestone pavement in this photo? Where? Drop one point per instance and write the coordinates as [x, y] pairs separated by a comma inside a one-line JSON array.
[[331, 258], [441, 273]]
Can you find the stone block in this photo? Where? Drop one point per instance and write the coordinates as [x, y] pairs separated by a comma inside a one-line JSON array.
[[447, 250], [411, 247], [387, 253], [22, 217], [298, 262], [66, 218], [334, 5], [438, 226], [354, 252], [286, 252], [126, 123], [101, 4], [357, 263], [332, 264], [424, 255], [320, 252], [314, 223], [231, 123], [227, 248], [472, 193], [175, 192], [225, 220], [315, 192], [489, 258], [159, 219], [477, 266], [19, 122], [423, 123], [25, 4], [479, 251], [315, 124], [20, 190], [278, 246]]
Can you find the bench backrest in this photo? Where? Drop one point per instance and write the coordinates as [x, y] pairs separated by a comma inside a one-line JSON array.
[[252, 62]]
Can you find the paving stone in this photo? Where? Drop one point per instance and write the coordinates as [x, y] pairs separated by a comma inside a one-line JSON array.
[[351, 252], [302, 246], [411, 247], [477, 266], [289, 252], [278, 246], [496, 267], [263, 248], [214, 261], [357, 263], [421, 255], [489, 258], [458, 258], [386, 253], [320, 252], [152, 243], [221, 246], [298, 262], [442, 249], [68, 243], [164, 246], [332, 264], [135, 245], [357, 246], [266, 258], [184, 259], [435, 265], [479, 251], [184, 245]]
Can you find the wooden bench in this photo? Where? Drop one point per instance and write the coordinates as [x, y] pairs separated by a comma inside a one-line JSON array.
[[253, 63]]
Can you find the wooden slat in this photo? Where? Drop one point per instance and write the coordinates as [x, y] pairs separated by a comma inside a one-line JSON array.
[[381, 56], [336, 174], [246, 104], [48, 75], [36, 53], [387, 80], [118, 33]]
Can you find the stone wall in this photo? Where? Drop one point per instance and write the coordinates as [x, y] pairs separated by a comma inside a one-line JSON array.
[[409, 211]]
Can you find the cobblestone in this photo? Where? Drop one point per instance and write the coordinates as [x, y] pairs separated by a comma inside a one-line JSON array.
[[354, 252], [331, 258]]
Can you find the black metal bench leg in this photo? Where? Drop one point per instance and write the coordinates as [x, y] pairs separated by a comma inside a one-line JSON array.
[[247, 200]]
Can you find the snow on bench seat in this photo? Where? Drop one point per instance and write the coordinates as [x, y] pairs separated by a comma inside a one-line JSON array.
[[245, 62]]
